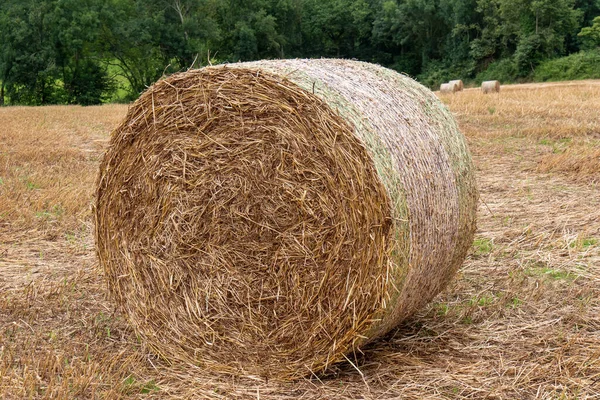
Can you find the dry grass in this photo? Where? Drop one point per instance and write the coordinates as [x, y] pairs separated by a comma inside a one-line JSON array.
[[522, 319], [581, 161], [551, 111]]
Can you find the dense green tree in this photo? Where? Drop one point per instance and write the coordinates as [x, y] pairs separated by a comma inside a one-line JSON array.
[[589, 10], [590, 35], [538, 28], [487, 44], [396, 31], [6, 52], [337, 28], [30, 70], [75, 51], [49, 52], [289, 15], [249, 30], [187, 32], [130, 34], [76, 40]]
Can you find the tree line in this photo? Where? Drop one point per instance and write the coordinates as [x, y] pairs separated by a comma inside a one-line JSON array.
[[92, 51]]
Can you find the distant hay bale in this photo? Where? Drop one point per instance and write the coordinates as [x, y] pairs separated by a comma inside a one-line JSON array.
[[269, 218], [490, 87], [448, 88], [459, 85]]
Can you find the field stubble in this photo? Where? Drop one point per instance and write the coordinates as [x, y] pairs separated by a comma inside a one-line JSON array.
[[521, 319]]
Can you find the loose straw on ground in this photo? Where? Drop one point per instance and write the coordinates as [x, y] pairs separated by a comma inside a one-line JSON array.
[[266, 219]]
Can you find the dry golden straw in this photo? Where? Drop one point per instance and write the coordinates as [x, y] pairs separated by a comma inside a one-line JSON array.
[[490, 87], [459, 84], [267, 219], [448, 88]]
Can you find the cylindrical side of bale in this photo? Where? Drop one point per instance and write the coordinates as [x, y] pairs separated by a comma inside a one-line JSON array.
[[269, 218], [459, 84], [490, 87], [448, 88]]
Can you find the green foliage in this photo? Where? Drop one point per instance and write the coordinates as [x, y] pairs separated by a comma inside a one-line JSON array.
[[540, 269], [590, 35], [482, 300], [582, 65], [482, 246], [87, 83], [92, 51], [337, 28], [436, 73], [487, 44], [49, 52], [538, 29], [504, 71], [130, 386], [29, 71]]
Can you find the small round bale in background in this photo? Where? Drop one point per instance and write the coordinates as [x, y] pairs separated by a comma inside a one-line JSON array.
[[448, 88], [490, 87], [459, 85], [269, 218]]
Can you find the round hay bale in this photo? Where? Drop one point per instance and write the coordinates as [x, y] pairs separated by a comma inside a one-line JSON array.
[[448, 88], [490, 87], [459, 85], [269, 218]]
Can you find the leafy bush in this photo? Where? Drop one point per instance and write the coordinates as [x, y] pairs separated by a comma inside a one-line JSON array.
[[504, 71], [582, 65], [88, 84], [436, 73], [590, 35]]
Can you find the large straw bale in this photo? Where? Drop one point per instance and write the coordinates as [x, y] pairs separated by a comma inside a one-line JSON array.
[[269, 218], [459, 84], [448, 88], [490, 87]]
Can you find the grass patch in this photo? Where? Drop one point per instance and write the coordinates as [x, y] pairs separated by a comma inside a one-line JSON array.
[[540, 269], [54, 212], [559, 146], [31, 185], [131, 385], [582, 65], [583, 243], [590, 242], [516, 302], [482, 246], [441, 309]]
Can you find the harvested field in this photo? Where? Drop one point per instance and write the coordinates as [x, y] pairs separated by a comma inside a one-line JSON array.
[[521, 319]]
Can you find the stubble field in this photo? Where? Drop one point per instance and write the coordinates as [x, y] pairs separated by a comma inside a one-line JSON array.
[[521, 320]]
